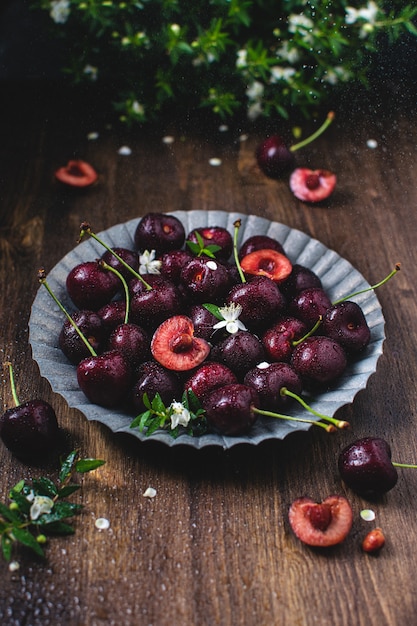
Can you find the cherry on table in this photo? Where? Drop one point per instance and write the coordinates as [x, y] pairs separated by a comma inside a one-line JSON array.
[[76, 173], [312, 185], [321, 524], [30, 429]]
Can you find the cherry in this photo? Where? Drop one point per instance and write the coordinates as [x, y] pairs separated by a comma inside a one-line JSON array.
[[268, 379], [323, 524], [261, 302], [205, 280], [229, 409], [345, 323], [151, 307], [280, 339], [76, 173], [172, 263], [319, 360], [273, 156], [90, 286], [132, 341], [105, 379], [29, 430], [160, 232], [112, 315], [91, 326], [366, 467], [153, 378], [301, 278], [240, 351], [310, 305], [259, 242], [203, 321], [118, 258], [312, 185], [214, 236], [175, 347], [209, 376]]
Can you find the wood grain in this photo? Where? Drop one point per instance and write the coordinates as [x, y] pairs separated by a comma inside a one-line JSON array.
[[214, 546]]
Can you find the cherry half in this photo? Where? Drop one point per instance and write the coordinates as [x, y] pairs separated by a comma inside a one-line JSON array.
[[76, 173]]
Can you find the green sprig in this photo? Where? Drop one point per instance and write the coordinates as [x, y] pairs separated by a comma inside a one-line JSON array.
[[18, 526]]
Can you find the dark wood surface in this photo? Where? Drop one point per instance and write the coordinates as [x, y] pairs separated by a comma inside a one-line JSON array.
[[214, 546]]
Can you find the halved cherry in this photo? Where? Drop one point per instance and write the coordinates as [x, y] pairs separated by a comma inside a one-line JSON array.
[[312, 185], [321, 524], [267, 262], [174, 346], [76, 173]]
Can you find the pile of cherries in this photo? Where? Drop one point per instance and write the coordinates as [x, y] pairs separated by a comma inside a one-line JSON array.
[[162, 334]]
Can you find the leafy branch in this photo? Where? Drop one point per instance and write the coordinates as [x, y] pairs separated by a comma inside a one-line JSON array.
[[40, 507]]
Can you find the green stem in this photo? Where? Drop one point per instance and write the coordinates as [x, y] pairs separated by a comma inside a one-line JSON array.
[[12, 384], [328, 427], [86, 229], [237, 225], [338, 423], [42, 280], [407, 465], [296, 342], [329, 119], [108, 267], [382, 282]]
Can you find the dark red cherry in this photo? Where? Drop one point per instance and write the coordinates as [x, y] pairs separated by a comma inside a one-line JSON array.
[[261, 302], [91, 326], [259, 242], [229, 409], [319, 360], [153, 378], [160, 232], [105, 379], [128, 256], [209, 376], [278, 341], [112, 315], [173, 262], [308, 305], [301, 278], [214, 235], [240, 352], [205, 280], [90, 286], [203, 321], [366, 467], [132, 341], [268, 379], [346, 323], [151, 307], [274, 158]]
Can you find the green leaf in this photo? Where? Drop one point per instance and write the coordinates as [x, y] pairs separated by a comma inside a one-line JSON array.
[[19, 486], [146, 401], [68, 490], [27, 539], [6, 547], [88, 465], [61, 510], [158, 405], [214, 310], [45, 487], [67, 466], [58, 528], [21, 501], [9, 515]]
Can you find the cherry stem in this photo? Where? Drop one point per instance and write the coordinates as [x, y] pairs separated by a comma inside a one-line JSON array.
[[237, 224], [86, 230], [332, 420], [108, 267], [382, 282], [406, 465], [42, 280], [12, 383], [327, 427], [329, 119], [310, 332]]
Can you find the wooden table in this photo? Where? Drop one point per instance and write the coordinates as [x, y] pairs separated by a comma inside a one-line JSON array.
[[214, 546]]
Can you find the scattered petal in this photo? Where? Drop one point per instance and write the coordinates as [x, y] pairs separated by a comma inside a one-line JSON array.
[[92, 136], [215, 162], [14, 566], [368, 515], [243, 137], [124, 151], [40, 505], [168, 139], [212, 265], [223, 128], [150, 492], [102, 523], [263, 366], [372, 143]]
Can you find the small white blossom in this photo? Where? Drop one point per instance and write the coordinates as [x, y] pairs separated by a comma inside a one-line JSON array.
[[102, 523], [231, 321], [14, 566], [148, 264], [138, 108], [40, 505], [254, 111], [215, 162], [288, 53], [91, 71], [180, 416], [338, 73], [368, 515], [255, 91], [175, 29], [367, 14], [124, 151], [372, 143], [281, 73], [150, 492], [60, 11], [241, 60]]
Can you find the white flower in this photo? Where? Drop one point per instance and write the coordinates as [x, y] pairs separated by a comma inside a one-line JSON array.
[[60, 10], [138, 108], [302, 25], [40, 505], [179, 415], [254, 110], [231, 320], [148, 264], [368, 13], [255, 91], [241, 60], [338, 73], [91, 71], [281, 73], [287, 53]]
